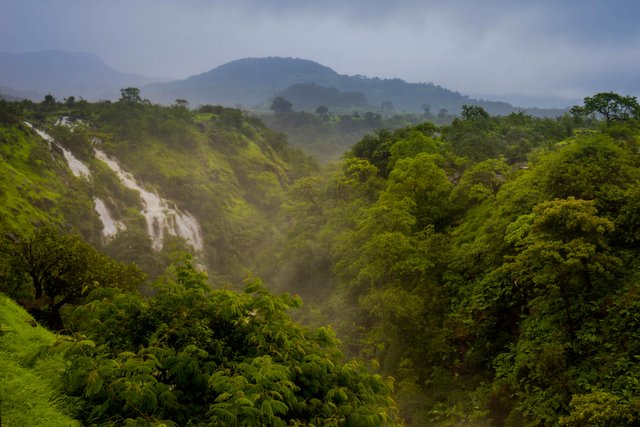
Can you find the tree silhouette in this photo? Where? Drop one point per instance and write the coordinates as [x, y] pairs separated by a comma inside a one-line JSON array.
[[281, 105]]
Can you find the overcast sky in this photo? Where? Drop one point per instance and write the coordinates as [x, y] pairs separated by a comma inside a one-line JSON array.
[[565, 48]]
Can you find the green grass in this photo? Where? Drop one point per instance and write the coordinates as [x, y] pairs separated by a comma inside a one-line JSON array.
[[29, 377], [31, 181]]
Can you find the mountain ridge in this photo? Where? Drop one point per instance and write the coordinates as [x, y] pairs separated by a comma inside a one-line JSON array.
[[247, 82], [254, 82], [64, 74]]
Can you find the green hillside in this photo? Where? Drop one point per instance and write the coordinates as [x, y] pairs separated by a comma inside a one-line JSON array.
[[180, 352], [30, 376], [227, 170], [483, 272]]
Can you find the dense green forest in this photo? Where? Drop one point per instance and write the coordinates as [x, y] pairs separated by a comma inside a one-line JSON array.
[[482, 272]]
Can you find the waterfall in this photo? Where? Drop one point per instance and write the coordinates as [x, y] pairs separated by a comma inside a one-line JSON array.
[[69, 122], [78, 168], [159, 215], [110, 226]]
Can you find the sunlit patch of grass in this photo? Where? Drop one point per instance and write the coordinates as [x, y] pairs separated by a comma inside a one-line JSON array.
[[29, 377]]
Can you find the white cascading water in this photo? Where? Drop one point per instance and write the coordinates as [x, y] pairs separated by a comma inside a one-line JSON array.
[[78, 168], [69, 122], [110, 226], [159, 216]]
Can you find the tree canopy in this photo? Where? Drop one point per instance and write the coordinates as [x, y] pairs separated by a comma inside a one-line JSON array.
[[194, 355], [59, 269], [281, 105], [612, 106], [130, 95]]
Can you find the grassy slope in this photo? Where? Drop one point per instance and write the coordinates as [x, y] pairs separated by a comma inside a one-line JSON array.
[[37, 188], [230, 182], [28, 384], [229, 178]]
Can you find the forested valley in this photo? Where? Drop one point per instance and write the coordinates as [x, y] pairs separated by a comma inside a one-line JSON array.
[[162, 265]]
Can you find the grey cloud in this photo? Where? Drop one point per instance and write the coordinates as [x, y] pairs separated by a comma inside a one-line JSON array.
[[493, 46]]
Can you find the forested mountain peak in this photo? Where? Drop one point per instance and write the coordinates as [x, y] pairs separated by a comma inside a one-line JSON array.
[[254, 82], [249, 82], [270, 69]]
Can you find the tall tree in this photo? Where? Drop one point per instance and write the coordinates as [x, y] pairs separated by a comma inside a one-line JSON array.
[[130, 95], [611, 106], [281, 105], [62, 269], [556, 283]]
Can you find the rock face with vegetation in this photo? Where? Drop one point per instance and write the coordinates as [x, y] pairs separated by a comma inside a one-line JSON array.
[[484, 270]]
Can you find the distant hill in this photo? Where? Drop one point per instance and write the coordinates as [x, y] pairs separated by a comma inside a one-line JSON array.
[[63, 74], [253, 82], [249, 82]]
